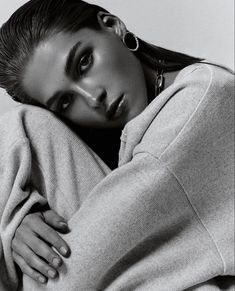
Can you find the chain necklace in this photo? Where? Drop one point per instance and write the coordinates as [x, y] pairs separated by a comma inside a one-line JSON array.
[[160, 79]]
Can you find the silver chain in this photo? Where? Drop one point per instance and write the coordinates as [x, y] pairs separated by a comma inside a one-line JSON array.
[[160, 80]]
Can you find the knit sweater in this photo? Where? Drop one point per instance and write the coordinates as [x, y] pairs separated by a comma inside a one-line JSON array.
[[164, 219]]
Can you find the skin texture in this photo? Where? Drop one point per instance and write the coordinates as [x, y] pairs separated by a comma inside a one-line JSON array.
[[29, 248], [103, 70]]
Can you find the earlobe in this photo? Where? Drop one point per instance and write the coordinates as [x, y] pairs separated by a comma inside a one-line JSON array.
[[111, 23]]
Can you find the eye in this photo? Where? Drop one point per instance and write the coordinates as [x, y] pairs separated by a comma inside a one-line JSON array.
[[85, 63], [65, 102]]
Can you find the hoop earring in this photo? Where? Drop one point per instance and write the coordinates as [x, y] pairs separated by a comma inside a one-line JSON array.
[[131, 41]]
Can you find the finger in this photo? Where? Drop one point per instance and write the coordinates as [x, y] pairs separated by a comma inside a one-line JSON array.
[[52, 237], [45, 251], [55, 220], [27, 270], [33, 261], [47, 233]]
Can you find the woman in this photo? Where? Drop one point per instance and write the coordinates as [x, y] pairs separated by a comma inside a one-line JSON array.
[[163, 219]]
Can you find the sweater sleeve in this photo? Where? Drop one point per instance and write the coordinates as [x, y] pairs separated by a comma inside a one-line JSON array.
[[137, 229], [16, 201]]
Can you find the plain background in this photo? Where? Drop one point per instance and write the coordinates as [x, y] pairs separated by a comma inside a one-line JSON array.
[[203, 28]]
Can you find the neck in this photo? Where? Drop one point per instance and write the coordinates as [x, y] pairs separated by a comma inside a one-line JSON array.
[[150, 76]]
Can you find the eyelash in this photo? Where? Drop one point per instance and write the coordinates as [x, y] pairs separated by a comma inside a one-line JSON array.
[[68, 98], [86, 57]]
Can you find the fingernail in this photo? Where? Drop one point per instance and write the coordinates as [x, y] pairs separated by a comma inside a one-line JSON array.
[[63, 251], [63, 224], [42, 279], [52, 273], [56, 262]]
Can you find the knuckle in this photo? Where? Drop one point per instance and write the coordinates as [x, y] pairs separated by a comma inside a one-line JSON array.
[[37, 245], [46, 252], [31, 272], [36, 263], [24, 267], [49, 230], [57, 241], [41, 247], [31, 218], [29, 258], [52, 235], [42, 268]]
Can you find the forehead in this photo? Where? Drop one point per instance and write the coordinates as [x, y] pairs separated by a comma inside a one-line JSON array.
[[45, 71]]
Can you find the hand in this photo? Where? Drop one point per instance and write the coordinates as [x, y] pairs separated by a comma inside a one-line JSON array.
[[33, 242]]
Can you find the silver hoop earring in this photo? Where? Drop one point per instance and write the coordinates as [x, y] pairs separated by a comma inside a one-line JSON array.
[[131, 41]]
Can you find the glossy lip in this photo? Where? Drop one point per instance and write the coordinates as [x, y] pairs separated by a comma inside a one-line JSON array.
[[115, 108]]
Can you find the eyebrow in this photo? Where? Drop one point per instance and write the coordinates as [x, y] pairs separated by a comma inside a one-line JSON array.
[[70, 59], [68, 71]]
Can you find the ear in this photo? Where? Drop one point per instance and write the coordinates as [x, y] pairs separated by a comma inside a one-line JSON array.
[[111, 23]]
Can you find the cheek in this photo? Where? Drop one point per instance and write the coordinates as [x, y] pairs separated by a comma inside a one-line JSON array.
[[117, 65], [123, 72], [82, 114]]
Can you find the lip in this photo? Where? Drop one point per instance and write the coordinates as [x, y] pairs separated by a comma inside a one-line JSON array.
[[116, 108]]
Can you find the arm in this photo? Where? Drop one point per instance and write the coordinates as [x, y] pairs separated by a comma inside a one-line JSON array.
[[16, 201], [154, 223], [136, 226], [139, 207], [20, 228], [33, 140]]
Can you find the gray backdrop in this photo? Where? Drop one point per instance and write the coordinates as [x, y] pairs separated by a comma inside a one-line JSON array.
[[199, 27]]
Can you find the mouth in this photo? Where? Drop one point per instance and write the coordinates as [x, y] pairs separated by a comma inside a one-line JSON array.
[[116, 108]]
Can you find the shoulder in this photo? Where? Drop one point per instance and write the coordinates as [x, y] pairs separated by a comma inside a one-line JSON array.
[[200, 95], [206, 75]]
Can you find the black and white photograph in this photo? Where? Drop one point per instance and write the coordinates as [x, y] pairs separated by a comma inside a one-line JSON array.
[[117, 145]]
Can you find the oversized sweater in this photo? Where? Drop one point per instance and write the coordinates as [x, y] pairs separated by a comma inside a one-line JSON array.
[[164, 219]]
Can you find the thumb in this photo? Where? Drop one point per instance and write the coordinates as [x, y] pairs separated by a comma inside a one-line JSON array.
[[55, 220]]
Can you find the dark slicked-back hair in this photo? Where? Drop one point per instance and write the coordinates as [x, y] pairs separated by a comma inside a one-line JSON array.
[[37, 20]]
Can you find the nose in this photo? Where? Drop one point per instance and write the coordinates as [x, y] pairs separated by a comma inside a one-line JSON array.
[[94, 97]]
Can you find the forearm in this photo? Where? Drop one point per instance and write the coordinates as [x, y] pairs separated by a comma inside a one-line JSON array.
[[137, 227], [17, 199], [50, 159]]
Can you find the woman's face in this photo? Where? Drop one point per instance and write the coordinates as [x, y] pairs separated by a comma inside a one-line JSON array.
[[90, 77]]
